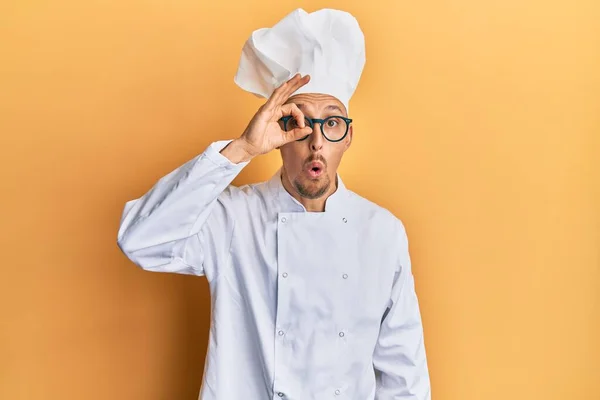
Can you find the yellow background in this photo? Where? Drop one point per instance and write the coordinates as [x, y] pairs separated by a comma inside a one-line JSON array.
[[477, 123]]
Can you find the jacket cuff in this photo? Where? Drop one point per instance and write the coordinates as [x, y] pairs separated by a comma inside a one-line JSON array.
[[213, 153]]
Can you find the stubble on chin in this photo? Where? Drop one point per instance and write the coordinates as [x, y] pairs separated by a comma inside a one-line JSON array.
[[312, 189]]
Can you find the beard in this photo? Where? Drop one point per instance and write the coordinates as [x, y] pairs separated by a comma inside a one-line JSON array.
[[312, 189]]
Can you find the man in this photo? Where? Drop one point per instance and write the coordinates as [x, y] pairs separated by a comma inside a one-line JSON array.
[[311, 285]]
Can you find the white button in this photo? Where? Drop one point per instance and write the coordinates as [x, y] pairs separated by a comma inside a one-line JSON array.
[[280, 333], [283, 219], [341, 334], [345, 276], [345, 220], [280, 394], [284, 274], [337, 391]]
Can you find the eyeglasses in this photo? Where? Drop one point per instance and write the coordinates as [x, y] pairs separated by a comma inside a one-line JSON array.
[[334, 128]]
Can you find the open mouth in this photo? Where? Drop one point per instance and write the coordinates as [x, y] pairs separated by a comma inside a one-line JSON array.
[[315, 169]]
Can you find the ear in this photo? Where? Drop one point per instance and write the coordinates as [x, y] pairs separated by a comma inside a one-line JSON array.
[[348, 140]]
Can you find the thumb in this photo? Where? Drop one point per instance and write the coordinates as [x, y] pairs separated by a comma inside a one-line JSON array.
[[298, 133]]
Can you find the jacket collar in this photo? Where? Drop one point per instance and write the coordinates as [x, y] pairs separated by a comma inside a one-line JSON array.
[[337, 201]]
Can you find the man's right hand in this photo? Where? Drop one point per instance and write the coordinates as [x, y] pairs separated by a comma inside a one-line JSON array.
[[264, 132]]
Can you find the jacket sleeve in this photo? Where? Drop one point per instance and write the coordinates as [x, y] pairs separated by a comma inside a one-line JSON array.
[[184, 223], [399, 358]]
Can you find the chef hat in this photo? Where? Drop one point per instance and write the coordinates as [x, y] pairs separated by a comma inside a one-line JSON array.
[[327, 44]]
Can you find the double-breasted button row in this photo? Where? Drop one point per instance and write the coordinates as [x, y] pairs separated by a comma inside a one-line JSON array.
[[341, 333], [285, 275], [284, 220], [337, 393]]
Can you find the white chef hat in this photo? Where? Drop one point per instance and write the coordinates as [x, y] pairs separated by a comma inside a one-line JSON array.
[[327, 44]]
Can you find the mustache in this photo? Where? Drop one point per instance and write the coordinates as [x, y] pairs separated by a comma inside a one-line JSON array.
[[316, 157]]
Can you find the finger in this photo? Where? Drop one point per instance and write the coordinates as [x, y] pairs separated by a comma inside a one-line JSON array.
[[294, 86], [295, 134], [278, 94], [293, 110], [298, 133], [284, 91]]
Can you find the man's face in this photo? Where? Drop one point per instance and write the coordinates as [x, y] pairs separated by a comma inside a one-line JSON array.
[[311, 165]]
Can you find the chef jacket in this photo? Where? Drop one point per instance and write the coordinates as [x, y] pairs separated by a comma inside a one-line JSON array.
[[305, 305]]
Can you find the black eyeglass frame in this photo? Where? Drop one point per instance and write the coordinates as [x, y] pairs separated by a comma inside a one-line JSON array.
[[321, 122]]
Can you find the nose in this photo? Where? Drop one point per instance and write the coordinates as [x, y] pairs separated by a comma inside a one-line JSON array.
[[316, 138]]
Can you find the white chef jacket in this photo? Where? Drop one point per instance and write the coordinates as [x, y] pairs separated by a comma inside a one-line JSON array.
[[305, 305]]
